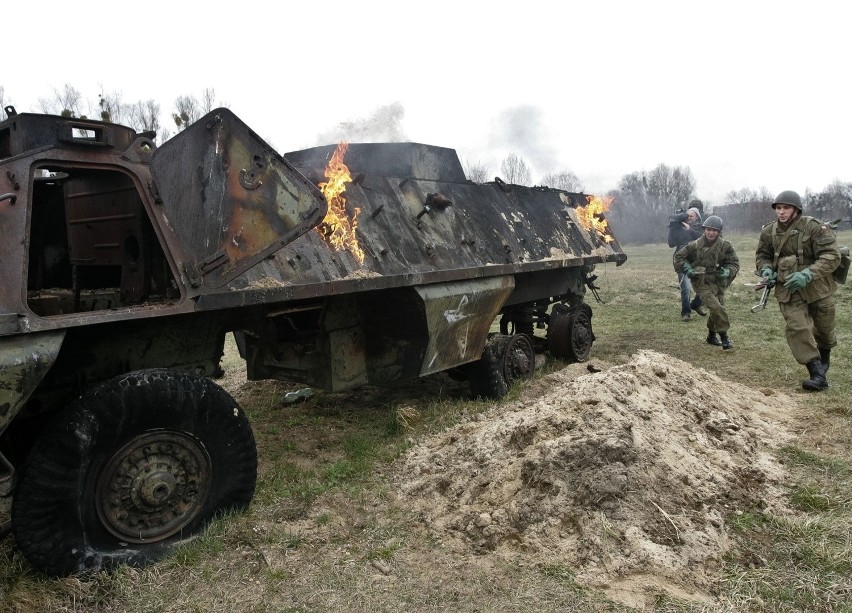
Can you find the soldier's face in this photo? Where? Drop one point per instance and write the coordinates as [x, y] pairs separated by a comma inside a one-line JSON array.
[[785, 212], [712, 234]]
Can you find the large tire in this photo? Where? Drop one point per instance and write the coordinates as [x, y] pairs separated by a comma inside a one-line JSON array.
[[132, 467], [518, 359], [569, 333], [506, 359], [485, 376]]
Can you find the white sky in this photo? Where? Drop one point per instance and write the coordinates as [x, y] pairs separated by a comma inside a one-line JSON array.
[[748, 94]]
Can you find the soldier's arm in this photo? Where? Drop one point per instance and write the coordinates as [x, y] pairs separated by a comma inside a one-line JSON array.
[[732, 260], [764, 255], [826, 253]]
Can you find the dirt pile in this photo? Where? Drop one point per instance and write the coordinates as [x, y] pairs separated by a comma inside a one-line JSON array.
[[623, 476]]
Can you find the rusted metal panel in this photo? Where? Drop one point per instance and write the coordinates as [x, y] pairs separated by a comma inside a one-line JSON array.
[[458, 316], [230, 197], [485, 232]]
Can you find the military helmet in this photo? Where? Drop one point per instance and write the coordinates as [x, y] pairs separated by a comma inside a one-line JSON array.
[[788, 197], [696, 204], [714, 221]]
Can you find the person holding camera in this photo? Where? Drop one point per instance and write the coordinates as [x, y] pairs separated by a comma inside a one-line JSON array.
[[685, 226]]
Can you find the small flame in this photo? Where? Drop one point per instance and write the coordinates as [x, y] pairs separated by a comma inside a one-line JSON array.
[[591, 216], [337, 228]]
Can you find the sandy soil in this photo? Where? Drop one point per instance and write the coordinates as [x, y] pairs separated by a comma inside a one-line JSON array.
[[623, 475]]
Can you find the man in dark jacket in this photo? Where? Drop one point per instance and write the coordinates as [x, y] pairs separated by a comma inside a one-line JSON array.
[[801, 253], [683, 228], [711, 263]]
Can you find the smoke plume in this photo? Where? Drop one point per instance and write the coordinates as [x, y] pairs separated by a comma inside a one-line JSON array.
[[384, 125], [521, 130]]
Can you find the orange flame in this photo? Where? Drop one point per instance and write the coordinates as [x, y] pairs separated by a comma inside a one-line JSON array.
[[337, 228], [591, 216]]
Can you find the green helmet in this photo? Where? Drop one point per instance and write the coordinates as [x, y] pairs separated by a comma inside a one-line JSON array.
[[696, 204], [714, 221], [788, 197]]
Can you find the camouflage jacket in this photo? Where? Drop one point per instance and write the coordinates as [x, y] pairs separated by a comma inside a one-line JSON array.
[[809, 244], [707, 259]]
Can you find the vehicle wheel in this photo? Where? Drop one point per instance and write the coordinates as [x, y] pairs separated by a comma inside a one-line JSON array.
[[485, 376], [518, 358], [569, 334], [132, 467]]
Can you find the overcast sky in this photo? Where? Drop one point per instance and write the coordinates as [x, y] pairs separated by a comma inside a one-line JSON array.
[[746, 94]]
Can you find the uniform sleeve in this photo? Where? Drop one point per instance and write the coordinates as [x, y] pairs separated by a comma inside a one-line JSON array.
[[732, 261], [826, 253], [765, 254]]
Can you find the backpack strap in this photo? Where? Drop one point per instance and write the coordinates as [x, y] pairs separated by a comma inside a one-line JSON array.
[[781, 245]]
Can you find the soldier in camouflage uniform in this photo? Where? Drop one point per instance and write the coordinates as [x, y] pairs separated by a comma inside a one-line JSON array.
[[711, 263], [801, 253]]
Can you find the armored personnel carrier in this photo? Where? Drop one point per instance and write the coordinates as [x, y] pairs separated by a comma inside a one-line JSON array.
[[124, 265]]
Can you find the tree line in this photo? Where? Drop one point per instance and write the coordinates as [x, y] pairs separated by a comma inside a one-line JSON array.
[[141, 115], [644, 201], [640, 208]]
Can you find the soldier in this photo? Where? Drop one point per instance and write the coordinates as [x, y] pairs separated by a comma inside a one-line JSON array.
[[711, 263], [801, 253], [685, 226]]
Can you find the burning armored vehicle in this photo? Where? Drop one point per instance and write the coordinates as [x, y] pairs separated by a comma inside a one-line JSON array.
[[124, 265]]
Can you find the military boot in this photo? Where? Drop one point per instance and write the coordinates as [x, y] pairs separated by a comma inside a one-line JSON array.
[[712, 339], [726, 341], [825, 357], [816, 382]]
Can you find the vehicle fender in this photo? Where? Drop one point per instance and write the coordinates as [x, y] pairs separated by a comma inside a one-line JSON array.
[[24, 361]]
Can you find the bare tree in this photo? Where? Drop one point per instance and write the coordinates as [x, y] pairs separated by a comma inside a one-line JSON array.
[[2, 97], [644, 202], [670, 188], [208, 100], [144, 116], [515, 170], [565, 180], [476, 171], [187, 111], [112, 108], [834, 202], [745, 209], [66, 102]]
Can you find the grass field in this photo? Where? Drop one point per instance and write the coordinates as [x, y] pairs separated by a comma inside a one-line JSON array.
[[325, 460]]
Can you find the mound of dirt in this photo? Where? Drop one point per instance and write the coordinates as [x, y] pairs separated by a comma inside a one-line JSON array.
[[624, 476]]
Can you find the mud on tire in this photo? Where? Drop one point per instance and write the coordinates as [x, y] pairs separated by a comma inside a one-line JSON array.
[[137, 464], [506, 359]]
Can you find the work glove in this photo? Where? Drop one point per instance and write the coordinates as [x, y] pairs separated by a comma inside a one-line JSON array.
[[688, 270], [723, 273], [798, 280], [768, 274]]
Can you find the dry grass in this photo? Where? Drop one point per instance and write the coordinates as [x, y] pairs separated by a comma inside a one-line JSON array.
[[322, 519]]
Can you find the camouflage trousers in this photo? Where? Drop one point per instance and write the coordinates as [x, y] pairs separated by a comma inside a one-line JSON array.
[[808, 326], [713, 297]]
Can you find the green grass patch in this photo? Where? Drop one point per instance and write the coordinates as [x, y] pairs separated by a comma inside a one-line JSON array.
[[337, 444]]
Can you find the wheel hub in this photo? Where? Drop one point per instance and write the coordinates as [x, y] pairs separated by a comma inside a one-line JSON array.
[[154, 486], [519, 361]]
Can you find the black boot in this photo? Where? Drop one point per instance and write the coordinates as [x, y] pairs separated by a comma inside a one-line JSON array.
[[695, 305], [825, 357], [712, 339], [726, 341], [816, 382]]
